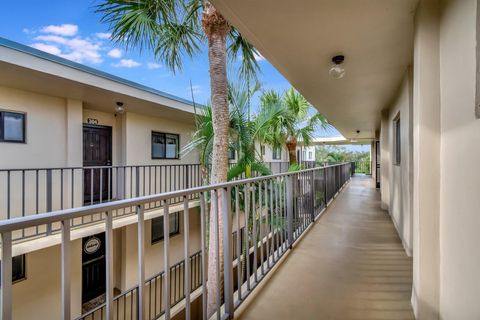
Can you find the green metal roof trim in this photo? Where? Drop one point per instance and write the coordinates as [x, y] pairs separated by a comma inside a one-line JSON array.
[[53, 58]]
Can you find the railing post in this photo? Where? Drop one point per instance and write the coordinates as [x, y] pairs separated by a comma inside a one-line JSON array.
[[227, 253], [109, 264], [141, 261], [290, 210], [66, 269], [326, 185], [312, 189], [49, 198], [6, 276], [137, 181]]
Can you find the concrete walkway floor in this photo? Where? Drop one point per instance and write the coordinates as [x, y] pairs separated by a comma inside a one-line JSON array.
[[350, 265]]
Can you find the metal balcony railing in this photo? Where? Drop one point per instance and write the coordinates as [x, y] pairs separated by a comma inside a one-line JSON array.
[[25, 192], [276, 211]]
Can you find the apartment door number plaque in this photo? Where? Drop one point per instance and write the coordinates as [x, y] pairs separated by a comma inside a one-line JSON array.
[[92, 245], [92, 121]]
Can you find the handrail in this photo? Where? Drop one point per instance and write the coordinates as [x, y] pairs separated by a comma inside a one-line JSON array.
[[57, 216]]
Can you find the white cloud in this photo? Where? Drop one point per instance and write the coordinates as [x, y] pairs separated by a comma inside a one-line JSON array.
[[153, 65], [47, 48], [258, 56], [52, 38], [78, 49], [127, 63], [115, 53], [62, 30], [103, 35]]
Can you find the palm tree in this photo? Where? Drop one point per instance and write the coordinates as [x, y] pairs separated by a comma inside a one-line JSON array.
[[244, 134], [298, 121], [172, 29]]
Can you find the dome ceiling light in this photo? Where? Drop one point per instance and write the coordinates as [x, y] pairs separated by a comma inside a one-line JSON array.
[[337, 71]]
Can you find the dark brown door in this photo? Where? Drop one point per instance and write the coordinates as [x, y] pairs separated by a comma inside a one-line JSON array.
[[377, 163], [97, 151], [93, 267]]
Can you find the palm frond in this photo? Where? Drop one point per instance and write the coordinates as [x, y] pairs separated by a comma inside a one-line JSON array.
[[238, 45]]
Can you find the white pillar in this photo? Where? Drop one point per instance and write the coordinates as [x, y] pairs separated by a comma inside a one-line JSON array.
[[426, 161]]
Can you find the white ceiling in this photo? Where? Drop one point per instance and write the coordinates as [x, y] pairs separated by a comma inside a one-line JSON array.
[[300, 37]]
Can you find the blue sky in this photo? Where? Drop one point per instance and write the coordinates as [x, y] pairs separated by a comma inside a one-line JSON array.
[[71, 29]]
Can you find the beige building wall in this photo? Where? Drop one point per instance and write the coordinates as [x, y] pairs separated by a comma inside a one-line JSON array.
[[44, 114], [398, 178], [139, 139], [39, 295], [460, 157]]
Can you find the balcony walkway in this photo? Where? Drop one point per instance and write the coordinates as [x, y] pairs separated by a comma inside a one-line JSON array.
[[350, 265]]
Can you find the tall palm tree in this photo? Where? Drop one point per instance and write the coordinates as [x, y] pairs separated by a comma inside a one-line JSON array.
[[297, 123], [244, 134], [172, 29]]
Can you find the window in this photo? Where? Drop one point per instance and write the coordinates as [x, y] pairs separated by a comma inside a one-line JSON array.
[[310, 155], [157, 227], [231, 153], [304, 155], [18, 268], [165, 145], [276, 153], [397, 141], [262, 150], [12, 127]]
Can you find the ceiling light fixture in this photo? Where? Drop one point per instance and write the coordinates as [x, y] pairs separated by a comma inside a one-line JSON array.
[[337, 71]]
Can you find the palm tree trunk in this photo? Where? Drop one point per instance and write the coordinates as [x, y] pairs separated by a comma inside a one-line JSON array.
[[292, 150], [216, 29]]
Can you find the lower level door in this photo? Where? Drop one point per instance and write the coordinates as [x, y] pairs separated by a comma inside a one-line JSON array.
[[93, 267]]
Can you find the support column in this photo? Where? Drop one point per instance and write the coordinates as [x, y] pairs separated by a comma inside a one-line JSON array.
[[426, 161]]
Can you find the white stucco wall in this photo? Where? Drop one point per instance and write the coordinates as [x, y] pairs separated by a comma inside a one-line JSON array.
[[460, 158], [45, 130], [398, 182], [139, 139]]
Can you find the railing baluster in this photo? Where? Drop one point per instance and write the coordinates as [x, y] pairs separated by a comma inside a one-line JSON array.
[[49, 197], [247, 241], [8, 195], [101, 185], [238, 244], [254, 231], [66, 269], [6, 276], [261, 225], [217, 250], [91, 185], [227, 253], [272, 223], [290, 210], [267, 232]]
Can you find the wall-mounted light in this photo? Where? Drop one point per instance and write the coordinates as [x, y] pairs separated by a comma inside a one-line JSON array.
[[119, 109], [337, 71]]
